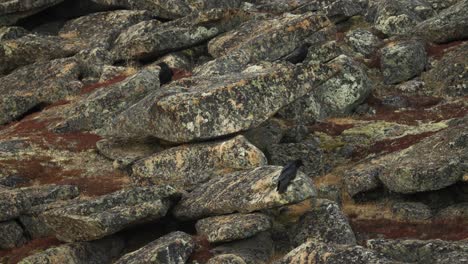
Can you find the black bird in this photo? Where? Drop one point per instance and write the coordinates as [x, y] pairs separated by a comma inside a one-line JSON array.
[[298, 55], [165, 75], [288, 174]]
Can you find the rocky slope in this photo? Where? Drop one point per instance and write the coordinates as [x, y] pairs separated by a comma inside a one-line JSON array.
[[103, 159]]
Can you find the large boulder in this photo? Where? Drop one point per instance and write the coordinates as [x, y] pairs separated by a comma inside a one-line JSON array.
[[187, 166], [11, 235], [195, 108], [243, 192], [174, 248], [108, 214], [232, 227], [363, 41], [14, 10]]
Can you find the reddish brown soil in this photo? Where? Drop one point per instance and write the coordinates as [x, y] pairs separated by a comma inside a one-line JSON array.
[[92, 87], [202, 252], [330, 128], [178, 74], [437, 51], [14, 255]]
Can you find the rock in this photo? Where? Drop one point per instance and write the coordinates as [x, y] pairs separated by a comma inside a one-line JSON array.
[[34, 226], [337, 96], [8, 33], [308, 151], [32, 48], [325, 223], [362, 41], [402, 61], [100, 251], [264, 40], [174, 248], [36, 84], [120, 94], [12, 204], [412, 211], [323, 52], [456, 211], [317, 252], [11, 235], [439, 5], [108, 214], [270, 132], [150, 39], [421, 251], [258, 249], [187, 166], [363, 177], [12, 11], [242, 192], [448, 76], [189, 109], [232, 227], [449, 25], [101, 29]]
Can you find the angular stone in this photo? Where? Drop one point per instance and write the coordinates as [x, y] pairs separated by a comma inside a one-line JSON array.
[[11, 235], [14, 10], [12, 204], [191, 109], [402, 61], [187, 166], [100, 251], [325, 223], [312, 251], [232, 227], [421, 251], [363, 41], [7, 33], [363, 177], [243, 192], [174, 248], [449, 25], [101, 29], [150, 39], [412, 211], [36, 84], [108, 214], [270, 132]]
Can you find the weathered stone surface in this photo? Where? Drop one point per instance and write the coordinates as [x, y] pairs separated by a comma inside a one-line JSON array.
[[12, 11], [100, 106], [402, 61], [362, 41], [449, 25], [7, 33], [317, 252], [232, 227], [325, 223], [456, 211], [258, 249], [363, 177], [191, 108], [412, 211], [39, 83], [421, 251], [174, 248], [11, 235], [32, 48], [101, 251], [270, 132], [149, 39], [439, 5], [264, 40], [242, 192], [110, 213], [187, 166]]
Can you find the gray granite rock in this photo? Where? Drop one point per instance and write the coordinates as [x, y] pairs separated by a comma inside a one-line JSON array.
[[363, 41]]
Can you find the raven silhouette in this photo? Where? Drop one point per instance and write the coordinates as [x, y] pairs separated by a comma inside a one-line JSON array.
[[165, 75], [288, 174]]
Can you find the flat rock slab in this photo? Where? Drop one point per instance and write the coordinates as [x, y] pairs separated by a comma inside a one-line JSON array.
[[39, 83], [187, 166], [90, 220], [13, 10], [206, 107], [243, 192], [174, 248], [232, 227]]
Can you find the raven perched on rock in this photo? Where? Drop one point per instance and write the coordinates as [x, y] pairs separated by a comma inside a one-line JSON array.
[[165, 75], [288, 174]]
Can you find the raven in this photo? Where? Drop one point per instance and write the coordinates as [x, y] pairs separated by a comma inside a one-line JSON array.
[[288, 174], [165, 75]]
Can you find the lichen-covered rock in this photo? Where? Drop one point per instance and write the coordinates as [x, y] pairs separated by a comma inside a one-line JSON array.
[[255, 250], [411, 211], [421, 251], [36, 84], [317, 252], [439, 5], [7, 33], [324, 223], [264, 40], [32, 48], [362, 41], [101, 29], [243, 192], [363, 177], [14, 10], [402, 61], [232, 227], [90, 220], [449, 25], [11, 235], [270, 132], [149, 39], [100, 106], [174, 248], [323, 52], [12, 204], [456, 211], [101, 251], [339, 95], [187, 166], [195, 108]]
